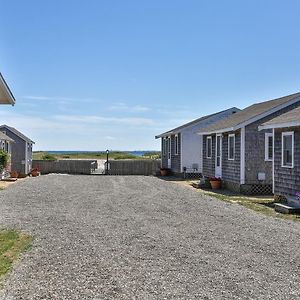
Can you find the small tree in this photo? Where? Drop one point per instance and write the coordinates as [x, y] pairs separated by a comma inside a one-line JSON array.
[[3, 159]]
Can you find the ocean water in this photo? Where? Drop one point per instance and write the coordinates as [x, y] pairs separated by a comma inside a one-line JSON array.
[[137, 153]]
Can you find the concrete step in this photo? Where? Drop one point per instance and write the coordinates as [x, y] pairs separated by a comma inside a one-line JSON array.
[[286, 209]]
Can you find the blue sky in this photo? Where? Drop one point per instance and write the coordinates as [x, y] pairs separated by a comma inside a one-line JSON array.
[[92, 75]]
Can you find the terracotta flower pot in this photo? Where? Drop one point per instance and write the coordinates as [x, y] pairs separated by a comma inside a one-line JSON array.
[[14, 174], [34, 173], [163, 172], [215, 184]]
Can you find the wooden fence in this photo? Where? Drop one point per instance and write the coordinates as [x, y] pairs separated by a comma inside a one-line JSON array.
[[65, 166], [133, 167]]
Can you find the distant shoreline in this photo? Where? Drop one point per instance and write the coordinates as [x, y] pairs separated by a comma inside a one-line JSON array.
[[136, 153]]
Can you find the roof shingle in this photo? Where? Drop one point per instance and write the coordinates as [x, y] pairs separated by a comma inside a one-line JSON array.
[[234, 121]]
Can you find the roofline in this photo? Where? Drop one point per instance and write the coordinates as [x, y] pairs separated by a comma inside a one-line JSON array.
[[17, 133], [8, 91], [256, 118], [279, 125], [177, 129]]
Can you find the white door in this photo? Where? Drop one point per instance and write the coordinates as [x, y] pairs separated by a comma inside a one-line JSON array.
[[169, 152], [218, 163]]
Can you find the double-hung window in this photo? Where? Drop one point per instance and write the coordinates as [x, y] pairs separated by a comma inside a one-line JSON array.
[[231, 146], [268, 146], [208, 147], [287, 149]]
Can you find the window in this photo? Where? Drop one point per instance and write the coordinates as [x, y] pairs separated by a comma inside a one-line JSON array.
[[268, 146], [208, 147], [231, 146], [287, 149], [169, 147], [176, 144]]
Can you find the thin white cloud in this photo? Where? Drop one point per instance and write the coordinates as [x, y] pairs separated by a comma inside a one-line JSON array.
[[124, 107], [56, 98], [105, 120], [111, 138]]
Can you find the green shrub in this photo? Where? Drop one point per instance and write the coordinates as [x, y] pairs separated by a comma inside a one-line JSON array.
[[48, 156], [3, 159]]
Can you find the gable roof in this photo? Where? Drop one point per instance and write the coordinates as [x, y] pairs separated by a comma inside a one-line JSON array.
[[288, 119], [177, 129], [250, 114], [6, 96], [4, 137], [17, 133]]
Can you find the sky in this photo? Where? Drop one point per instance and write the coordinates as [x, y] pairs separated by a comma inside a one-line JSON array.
[[97, 75]]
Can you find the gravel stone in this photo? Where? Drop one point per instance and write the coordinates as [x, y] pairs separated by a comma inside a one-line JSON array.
[[135, 237]]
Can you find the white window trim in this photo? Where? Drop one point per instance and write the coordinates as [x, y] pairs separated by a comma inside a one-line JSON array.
[[209, 138], [286, 133], [169, 147], [176, 144], [229, 136], [267, 135]]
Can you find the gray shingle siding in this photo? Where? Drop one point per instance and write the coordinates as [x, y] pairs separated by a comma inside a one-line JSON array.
[[287, 180], [209, 163], [164, 156], [175, 158], [231, 169], [255, 150], [17, 152]]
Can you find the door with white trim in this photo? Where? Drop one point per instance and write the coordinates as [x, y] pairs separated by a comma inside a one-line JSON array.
[[218, 162], [169, 152]]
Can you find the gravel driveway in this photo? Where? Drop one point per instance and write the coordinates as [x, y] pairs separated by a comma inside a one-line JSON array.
[[99, 237]]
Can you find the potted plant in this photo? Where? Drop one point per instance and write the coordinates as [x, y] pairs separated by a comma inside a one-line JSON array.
[[14, 174], [215, 183], [164, 172], [35, 172]]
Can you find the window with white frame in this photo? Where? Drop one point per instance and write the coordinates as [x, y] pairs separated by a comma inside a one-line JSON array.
[[209, 147], [169, 147], [268, 146], [231, 146], [287, 149], [176, 144]]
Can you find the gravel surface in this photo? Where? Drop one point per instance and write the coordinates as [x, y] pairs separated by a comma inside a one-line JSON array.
[[99, 237]]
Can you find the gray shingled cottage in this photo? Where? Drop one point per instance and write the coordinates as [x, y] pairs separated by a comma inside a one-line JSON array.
[[235, 150], [181, 147], [21, 150], [286, 163]]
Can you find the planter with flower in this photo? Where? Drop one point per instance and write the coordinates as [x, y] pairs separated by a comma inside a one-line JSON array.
[[215, 183]]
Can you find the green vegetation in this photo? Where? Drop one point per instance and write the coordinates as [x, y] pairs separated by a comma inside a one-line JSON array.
[[3, 159], [48, 156], [261, 204], [93, 155], [12, 244], [152, 155]]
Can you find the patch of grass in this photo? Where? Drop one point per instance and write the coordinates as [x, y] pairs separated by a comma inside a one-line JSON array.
[[261, 204], [12, 244]]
